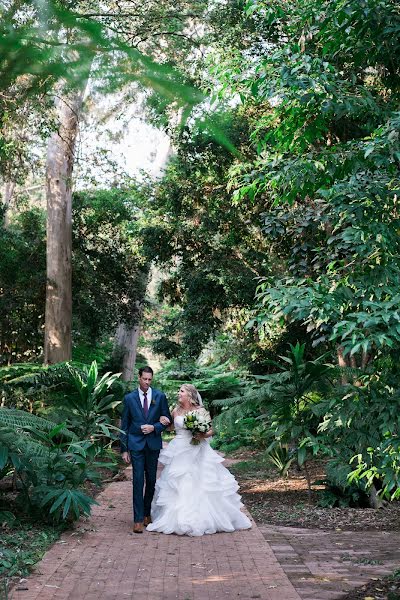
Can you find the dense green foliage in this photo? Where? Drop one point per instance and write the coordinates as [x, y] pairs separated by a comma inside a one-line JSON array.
[[212, 250], [109, 272], [52, 462], [307, 211], [22, 286], [330, 148], [23, 545]]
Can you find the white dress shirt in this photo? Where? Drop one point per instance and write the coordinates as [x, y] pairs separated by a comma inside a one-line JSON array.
[[148, 394]]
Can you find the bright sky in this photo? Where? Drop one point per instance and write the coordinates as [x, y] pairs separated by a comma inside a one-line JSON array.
[[115, 139]]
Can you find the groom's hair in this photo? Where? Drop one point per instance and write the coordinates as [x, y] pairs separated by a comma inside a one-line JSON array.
[[145, 370]]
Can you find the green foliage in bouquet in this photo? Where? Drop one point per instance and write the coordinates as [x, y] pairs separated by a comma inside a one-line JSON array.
[[198, 422]]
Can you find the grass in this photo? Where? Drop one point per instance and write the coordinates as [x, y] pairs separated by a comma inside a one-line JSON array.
[[22, 545], [168, 436]]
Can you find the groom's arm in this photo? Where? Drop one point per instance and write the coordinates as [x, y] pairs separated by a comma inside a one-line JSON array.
[[164, 410]]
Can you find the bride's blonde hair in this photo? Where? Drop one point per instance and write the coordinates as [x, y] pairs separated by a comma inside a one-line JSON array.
[[192, 393]]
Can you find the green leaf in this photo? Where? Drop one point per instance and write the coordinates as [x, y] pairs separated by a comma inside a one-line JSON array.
[[301, 455], [3, 456]]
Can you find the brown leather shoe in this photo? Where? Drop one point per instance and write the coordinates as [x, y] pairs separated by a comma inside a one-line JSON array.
[[147, 521], [138, 528]]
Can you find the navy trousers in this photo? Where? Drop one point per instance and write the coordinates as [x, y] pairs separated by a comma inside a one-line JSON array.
[[144, 474]]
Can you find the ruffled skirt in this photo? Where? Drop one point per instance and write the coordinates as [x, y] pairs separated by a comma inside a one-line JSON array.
[[195, 493]]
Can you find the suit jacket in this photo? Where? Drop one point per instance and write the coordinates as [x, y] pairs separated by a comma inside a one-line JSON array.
[[133, 417]]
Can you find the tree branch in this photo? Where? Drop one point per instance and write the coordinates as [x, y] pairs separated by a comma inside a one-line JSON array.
[[137, 15]]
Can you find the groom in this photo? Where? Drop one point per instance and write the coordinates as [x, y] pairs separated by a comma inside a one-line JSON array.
[[141, 442]]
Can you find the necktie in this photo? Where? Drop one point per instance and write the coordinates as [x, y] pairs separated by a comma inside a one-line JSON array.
[[145, 404]]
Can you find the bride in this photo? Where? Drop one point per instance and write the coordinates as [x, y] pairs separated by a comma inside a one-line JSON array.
[[195, 493]]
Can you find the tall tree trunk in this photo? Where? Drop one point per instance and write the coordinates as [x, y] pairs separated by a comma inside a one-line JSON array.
[[126, 342], [9, 188], [60, 160]]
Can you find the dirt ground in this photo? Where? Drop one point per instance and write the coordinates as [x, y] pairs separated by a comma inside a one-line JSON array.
[[284, 503]]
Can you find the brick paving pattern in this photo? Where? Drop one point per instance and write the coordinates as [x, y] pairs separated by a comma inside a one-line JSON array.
[[325, 565], [103, 560]]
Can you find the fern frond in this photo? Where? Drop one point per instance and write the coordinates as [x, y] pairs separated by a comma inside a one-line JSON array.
[[14, 371], [22, 444], [42, 376], [229, 418], [19, 420], [229, 402]]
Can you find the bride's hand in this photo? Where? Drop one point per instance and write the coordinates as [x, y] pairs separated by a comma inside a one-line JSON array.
[[203, 436], [164, 421]]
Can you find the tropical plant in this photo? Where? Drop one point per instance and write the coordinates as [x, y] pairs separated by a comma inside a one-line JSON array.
[[359, 433], [51, 461], [213, 381], [92, 406], [281, 457], [379, 464], [326, 171], [47, 466], [280, 408]]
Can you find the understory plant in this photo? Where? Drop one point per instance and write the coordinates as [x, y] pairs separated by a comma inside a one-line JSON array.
[[359, 432], [50, 461], [213, 381], [49, 465], [279, 409]]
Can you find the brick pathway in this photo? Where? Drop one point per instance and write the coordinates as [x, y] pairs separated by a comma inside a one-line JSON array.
[[325, 565], [103, 560]]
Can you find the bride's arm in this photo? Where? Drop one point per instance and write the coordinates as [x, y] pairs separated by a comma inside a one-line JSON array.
[[203, 436], [169, 427]]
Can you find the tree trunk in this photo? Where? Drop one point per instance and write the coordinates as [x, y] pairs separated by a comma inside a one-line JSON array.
[[9, 188], [60, 160], [342, 363], [308, 478], [364, 360], [126, 341], [375, 501]]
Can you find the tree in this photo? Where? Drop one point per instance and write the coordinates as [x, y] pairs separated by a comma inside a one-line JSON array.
[[64, 54], [212, 250], [328, 155], [109, 270], [22, 286], [60, 160]]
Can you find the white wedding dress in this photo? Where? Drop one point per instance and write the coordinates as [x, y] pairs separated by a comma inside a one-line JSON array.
[[195, 493]]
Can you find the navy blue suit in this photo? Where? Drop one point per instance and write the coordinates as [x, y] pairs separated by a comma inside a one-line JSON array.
[[144, 448]]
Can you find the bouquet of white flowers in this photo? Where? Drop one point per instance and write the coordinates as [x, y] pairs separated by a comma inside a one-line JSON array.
[[197, 422]]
